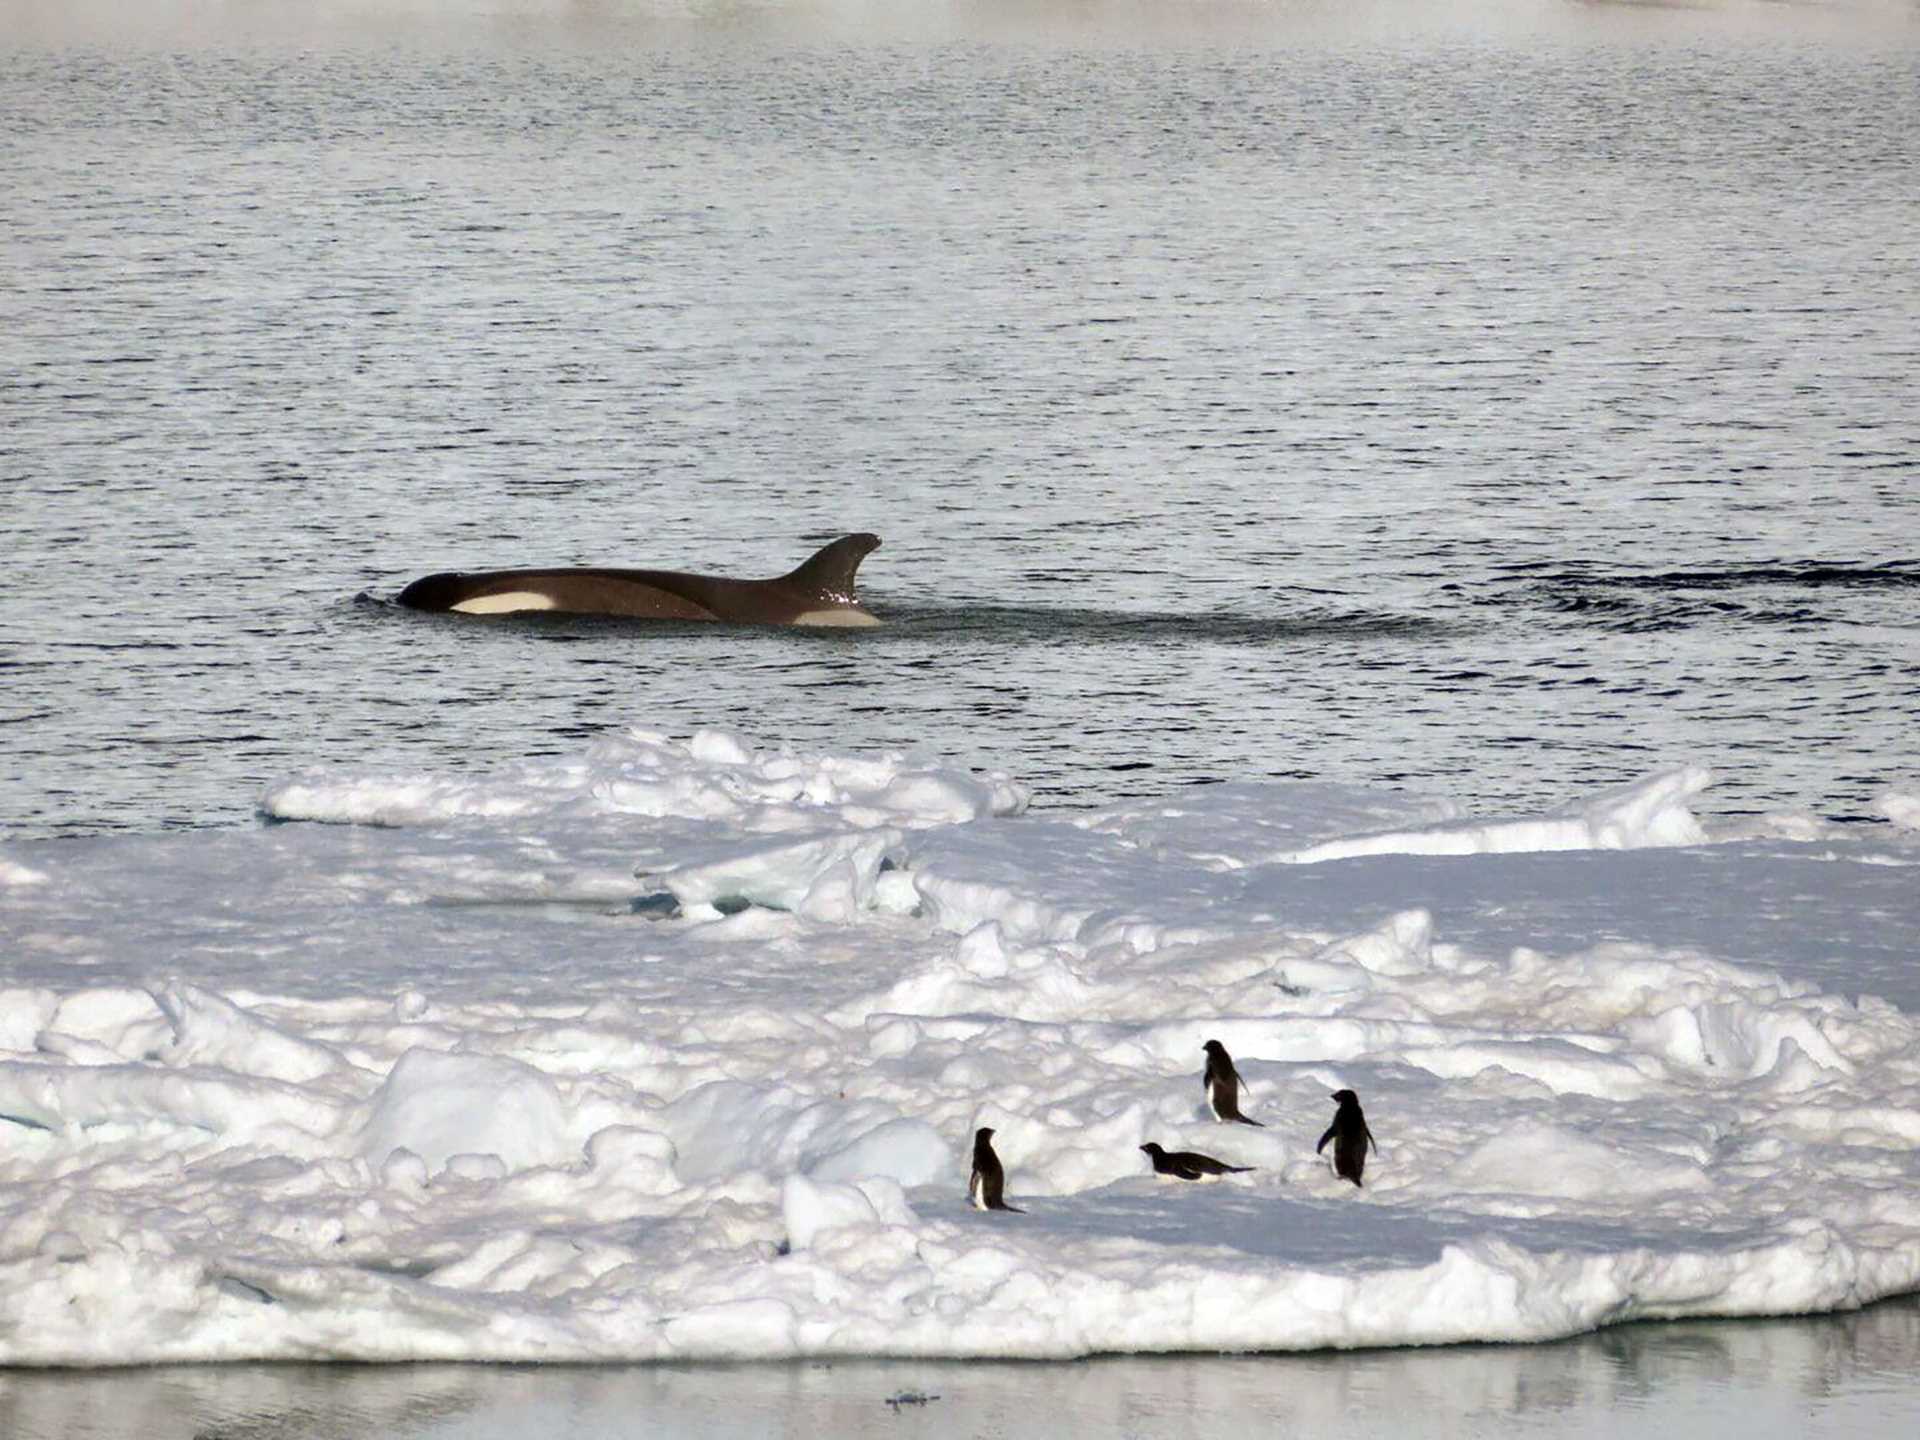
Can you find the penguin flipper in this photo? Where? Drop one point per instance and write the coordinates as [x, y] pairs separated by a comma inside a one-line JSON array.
[[1324, 1138]]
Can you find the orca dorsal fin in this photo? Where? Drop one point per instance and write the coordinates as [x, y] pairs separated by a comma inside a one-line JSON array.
[[828, 572]]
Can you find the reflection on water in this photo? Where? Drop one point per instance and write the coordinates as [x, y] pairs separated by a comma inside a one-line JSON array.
[[1827, 1376], [908, 625]]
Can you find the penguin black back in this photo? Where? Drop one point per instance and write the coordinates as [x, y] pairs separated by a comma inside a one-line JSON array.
[[1222, 1084], [1189, 1164], [1350, 1137], [986, 1187]]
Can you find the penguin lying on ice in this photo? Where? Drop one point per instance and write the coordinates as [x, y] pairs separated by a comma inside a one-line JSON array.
[[1189, 1164]]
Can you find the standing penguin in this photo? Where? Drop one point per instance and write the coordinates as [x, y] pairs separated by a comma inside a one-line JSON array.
[[1222, 1084], [987, 1186], [1350, 1137]]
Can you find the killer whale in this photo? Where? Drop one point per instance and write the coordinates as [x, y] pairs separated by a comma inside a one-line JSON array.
[[819, 591]]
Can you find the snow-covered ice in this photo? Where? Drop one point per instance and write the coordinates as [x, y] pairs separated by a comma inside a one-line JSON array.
[[675, 1049]]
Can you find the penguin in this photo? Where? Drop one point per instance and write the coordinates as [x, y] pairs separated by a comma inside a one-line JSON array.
[[1222, 1084], [1350, 1137], [987, 1185], [1190, 1165]]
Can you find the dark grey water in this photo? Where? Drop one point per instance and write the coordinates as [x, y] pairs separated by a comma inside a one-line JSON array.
[[1505, 407]]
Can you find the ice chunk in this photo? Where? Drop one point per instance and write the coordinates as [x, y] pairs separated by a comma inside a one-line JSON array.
[[1647, 813], [829, 876], [1901, 806], [442, 1105]]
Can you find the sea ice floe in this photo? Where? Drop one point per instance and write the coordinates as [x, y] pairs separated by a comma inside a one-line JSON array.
[[442, 1081]]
